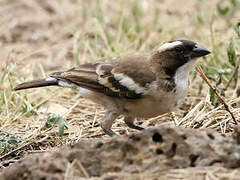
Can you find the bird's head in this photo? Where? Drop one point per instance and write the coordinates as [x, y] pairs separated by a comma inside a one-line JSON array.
[[174, 54]]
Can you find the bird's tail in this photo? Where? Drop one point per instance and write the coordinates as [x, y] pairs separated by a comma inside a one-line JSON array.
[[37, 83]]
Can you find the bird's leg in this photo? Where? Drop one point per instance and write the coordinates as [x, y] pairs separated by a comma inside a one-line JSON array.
[[106, 124], [129, 121]]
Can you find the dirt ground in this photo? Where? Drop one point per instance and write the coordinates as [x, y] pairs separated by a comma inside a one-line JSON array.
[[38, 37], [166, 152]]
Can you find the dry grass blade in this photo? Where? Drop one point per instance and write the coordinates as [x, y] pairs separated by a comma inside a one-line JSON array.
[[15, 150], [217, 94]]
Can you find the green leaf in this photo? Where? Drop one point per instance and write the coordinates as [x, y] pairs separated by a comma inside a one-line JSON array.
[[2, 136], [234, 3], [200, 19], [54, 119], [12, 140], [62, 123], [137, 13], [222, 10], [237, 29], [231, 54], [238, 92], [8, 146], [212, 95], [219, 80], [2, 148], [210, 75]]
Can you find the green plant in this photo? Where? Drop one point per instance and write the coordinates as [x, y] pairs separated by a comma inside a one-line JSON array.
[[224, 7], [8, 142], [53, 119], [224, 73]]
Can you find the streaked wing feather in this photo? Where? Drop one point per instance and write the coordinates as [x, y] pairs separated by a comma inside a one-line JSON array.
[[101, 77], [84, 76], [113, 87], [137, 68]]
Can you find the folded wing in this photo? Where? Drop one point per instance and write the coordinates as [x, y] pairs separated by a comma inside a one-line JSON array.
[[116, 79]]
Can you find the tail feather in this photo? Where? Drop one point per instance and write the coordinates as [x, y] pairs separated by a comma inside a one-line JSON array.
[[37, 83]]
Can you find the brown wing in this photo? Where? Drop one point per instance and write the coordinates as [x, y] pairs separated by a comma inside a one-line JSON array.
[[83, 76], [108, 78], [136, 68]]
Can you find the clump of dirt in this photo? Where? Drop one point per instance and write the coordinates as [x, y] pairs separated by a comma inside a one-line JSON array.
[[159, 152]]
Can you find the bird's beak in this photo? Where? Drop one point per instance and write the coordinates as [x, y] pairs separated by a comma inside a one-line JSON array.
[[199, 51]]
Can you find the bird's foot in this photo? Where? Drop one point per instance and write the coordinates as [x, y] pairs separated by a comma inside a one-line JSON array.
[[109, 132], [133, 126]]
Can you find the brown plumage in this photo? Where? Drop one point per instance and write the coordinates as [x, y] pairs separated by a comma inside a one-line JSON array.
[[135, 86]]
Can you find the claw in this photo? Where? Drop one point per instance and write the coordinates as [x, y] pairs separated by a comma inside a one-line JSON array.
[[106, 124], [129, 123]]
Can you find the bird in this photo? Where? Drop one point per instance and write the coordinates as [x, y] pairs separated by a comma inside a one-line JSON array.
[[136, 86]]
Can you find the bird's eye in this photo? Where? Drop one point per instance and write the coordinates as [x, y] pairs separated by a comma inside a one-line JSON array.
[[179, 49]]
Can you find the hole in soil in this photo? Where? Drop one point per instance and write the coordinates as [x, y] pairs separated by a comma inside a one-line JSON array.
[[223, 135], [159, 151], [211, 136], [135, 137], [193, 159], [99, 144], [129, 161], [157, 137], [184, 136], [70, 160], [172, 151], [174, 147]]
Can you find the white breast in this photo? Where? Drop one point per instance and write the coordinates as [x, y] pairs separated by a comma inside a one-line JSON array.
[[182, 80]]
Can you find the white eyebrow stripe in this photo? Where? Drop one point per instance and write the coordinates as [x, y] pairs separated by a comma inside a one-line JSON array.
[[169, 45]]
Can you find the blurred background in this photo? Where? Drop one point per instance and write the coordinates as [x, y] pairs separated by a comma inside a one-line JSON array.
[[40, 36]]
